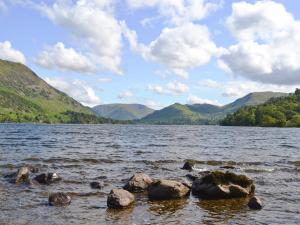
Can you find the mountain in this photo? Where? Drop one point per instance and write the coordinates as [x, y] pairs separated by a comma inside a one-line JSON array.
[[205, 113], [122, 111], [24, 97], [276, 112]]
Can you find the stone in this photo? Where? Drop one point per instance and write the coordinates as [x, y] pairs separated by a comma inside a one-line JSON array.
[[228, 167], [188, 165], [220, 185], [255, 203], [119, 198], [22, 175], [48, 178], [167, 189], [138, 183], [96, 185], [59, 199]]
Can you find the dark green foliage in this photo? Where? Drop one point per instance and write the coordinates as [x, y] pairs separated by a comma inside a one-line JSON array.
[[277, 112]]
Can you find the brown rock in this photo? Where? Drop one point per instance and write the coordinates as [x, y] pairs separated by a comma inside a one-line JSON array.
[[255, 203], [22, 175], [119, 198], [59, 199], [138, 182]]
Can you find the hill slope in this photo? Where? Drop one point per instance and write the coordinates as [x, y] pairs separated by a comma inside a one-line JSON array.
[[122, 111], [205, 113], [277, 112], [24, 97]]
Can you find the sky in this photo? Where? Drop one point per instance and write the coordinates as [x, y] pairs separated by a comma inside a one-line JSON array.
[[155, 52]]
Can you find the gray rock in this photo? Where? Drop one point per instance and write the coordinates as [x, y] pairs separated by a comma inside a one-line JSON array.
[[255, 203], [22, 175], [188, 165], [59, 199], [96, 185], [167, 189], [48, 178], [119, 198], [138, 182]]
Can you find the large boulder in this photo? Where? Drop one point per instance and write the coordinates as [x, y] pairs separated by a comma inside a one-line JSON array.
[[47, 178], [22, 175], [138, 182], [59, 199], [220, 185], [167, 189], [119, 198], [255, 203]]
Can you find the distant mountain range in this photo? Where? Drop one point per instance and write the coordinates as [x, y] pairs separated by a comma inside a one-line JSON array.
[[205, 113], [24, 97], [123, 111]]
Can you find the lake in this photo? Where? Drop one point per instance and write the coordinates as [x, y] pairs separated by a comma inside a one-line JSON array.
[[113, 153]]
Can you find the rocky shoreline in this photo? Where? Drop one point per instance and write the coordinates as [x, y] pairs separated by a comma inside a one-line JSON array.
[[207, 185]]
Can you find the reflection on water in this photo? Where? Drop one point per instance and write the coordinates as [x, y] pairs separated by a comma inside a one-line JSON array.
[[112, 153]]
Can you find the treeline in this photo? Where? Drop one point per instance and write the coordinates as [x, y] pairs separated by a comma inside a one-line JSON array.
[[277, 112]]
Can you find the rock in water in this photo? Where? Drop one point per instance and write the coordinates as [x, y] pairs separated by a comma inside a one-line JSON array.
[[59, 199], [255, 203], [96, 185], [220, 185], [188, 165], [167, 189], [22, 175], [119, 198], [47, 178], [138, 182]]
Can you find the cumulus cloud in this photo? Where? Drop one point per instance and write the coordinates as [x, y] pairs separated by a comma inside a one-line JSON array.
[[268, 45], [125, 94], [177, 11], [77, 89], [7, 52], [209, 83], [93, 27], [193, 99], [65, 59], [172, 88], [179, 49]]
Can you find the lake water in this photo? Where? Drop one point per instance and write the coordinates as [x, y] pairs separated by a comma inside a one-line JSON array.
[[112, 153]]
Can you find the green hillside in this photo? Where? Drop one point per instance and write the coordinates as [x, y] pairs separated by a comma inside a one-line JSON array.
[[122, 111], [277, 112], [205, 113], [24, 97]]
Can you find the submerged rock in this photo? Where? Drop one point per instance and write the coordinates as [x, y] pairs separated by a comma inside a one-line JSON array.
[[138, 182], [188, 165], [47, 178], [167, 189], [96, 185], [220, 185], [228, 167], [119, 198], [59, 199], [22, 175], [255, 203]]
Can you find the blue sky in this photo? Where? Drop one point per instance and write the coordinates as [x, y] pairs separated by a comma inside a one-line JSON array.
[[155, 52]]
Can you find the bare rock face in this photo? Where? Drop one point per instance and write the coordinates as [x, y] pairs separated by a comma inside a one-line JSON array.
[[59, 199], [47, 178], [167, 189], [255, 203], [220, 185], [138, 183], [119, 198], [22, 175]]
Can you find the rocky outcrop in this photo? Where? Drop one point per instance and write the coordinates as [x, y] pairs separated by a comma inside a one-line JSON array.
[[47, 178], [59, 199], [138, 183], [220, 185], [22, 175], [255, 203], [119, 198], [167, 189]]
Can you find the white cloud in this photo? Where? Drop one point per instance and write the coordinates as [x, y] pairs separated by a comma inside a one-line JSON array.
[[76, 89], [7, 52], [92, 26], [268, 45], [172, 88], [192, 99], [209, 83], [3, 5], [104, 80], [178, 11], [65, 59], [179, 49], [125, 94]]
